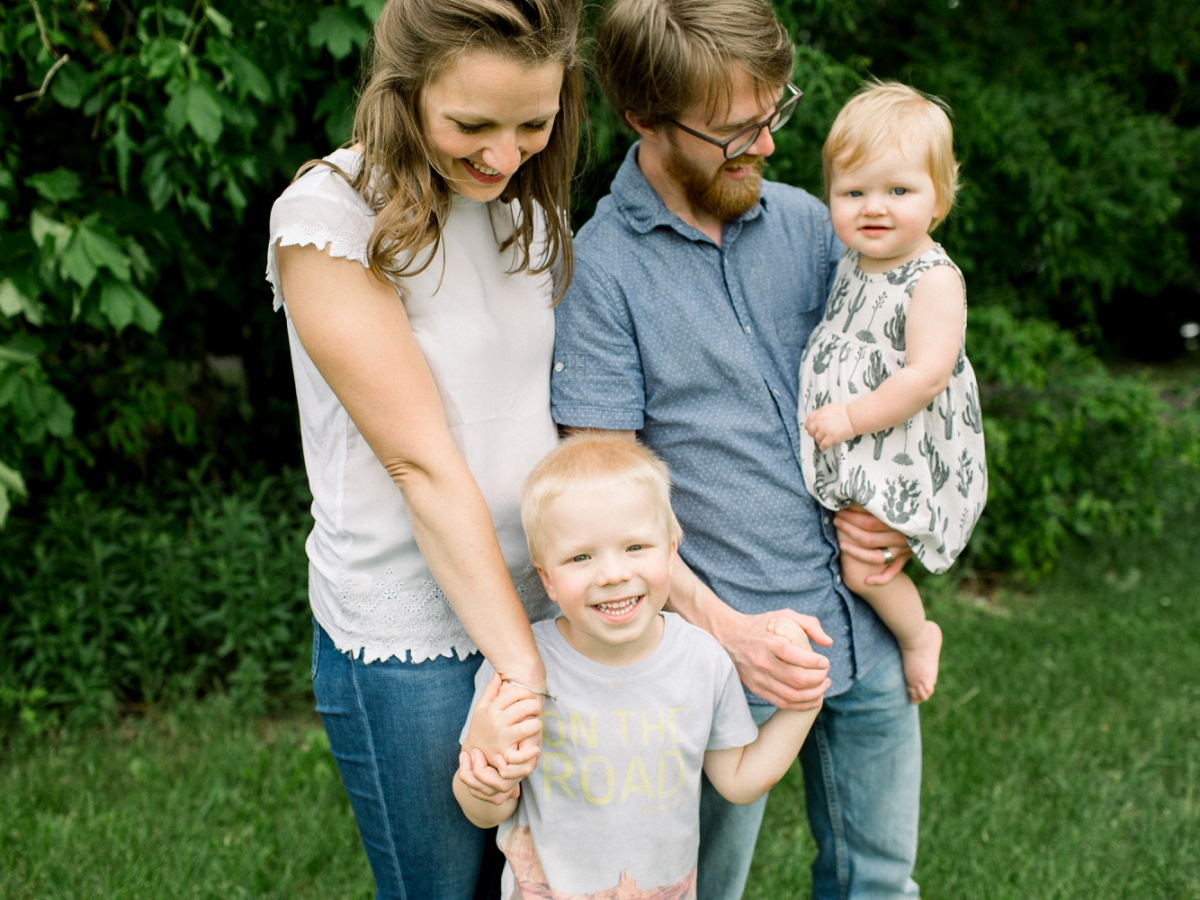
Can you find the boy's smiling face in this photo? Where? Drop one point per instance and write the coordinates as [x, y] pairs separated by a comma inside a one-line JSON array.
[[607, 564]]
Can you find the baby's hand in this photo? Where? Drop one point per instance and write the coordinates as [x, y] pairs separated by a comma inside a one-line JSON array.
[[490, 783], [830, 425]]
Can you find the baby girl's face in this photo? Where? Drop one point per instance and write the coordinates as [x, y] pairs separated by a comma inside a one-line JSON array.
[[883, 208]]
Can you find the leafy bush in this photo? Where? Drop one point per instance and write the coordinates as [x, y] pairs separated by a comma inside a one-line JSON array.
[[113, 600], [1072, 450], [137, 162], [1076, 124]]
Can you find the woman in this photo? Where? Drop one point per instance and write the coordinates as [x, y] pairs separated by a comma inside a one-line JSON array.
[[415, 270]]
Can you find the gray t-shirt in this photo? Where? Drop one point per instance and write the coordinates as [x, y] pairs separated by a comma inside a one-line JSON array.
[[615, 800]]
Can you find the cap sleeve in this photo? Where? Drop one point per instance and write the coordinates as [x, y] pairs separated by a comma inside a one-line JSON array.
[[321, 209]]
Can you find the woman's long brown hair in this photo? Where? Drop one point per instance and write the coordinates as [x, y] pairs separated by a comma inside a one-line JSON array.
[[413, 43]]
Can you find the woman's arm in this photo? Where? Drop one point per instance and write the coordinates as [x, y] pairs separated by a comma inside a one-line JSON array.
[[933, 337], [355, 330]]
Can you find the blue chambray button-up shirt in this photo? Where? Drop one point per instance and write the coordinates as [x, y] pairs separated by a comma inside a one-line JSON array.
[[697, 348]]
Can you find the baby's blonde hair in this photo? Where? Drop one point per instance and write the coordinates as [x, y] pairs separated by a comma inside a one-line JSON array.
[[885, 113], [588, 461]]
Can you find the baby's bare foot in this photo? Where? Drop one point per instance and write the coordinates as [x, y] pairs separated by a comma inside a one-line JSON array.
[[921, 663]]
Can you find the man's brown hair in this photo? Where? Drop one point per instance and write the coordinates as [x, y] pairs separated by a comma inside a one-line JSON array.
[[657, 58]]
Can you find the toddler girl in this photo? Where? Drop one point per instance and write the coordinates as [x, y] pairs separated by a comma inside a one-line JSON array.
[[889, 404]]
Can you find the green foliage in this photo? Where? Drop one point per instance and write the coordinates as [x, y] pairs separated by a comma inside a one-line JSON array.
[[1060, 752], [128, 166], [1076, 125], [116, 600], [1072, 450]]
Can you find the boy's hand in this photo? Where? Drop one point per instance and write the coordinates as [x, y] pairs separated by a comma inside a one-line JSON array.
[[495, 784], [786, 628], [830, 425], [507, 723]]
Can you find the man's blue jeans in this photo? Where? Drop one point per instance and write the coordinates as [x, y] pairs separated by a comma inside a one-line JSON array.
[[862, 781], [393, 727]]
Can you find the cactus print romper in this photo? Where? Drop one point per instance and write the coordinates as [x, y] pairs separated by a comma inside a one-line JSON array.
[[927, 477]]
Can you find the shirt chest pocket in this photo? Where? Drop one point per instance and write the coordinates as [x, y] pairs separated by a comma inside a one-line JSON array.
[[795, 319]]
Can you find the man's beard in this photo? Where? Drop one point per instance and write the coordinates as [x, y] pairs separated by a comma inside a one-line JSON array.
[[722, 198]]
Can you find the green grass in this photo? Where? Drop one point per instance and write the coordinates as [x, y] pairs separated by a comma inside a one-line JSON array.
[[1062, 748], [1062, 760], [199, 803]]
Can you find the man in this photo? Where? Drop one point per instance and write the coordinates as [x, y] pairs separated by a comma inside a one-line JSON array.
[[697, 284]]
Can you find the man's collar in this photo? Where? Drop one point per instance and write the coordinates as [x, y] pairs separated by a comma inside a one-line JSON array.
[[644, 209]]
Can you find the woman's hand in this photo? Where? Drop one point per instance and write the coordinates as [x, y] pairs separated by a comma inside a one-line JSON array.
[[506, 729]]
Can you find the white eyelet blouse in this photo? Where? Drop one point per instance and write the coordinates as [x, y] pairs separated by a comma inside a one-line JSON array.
[[488, 337]]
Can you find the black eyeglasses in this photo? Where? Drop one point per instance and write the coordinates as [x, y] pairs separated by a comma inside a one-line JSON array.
[[739, 143]]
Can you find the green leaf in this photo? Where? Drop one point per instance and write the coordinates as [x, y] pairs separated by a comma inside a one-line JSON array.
[[57, 414], [71, 85], [201, 208], [11, 482], [42, 227], [11, 479], [235, 195], [336, 106], [146, 315], [123, 304], [161, 56], [372, 8], [103, 248], [117, 303], [16, 357], [14, 301], [204, 111], [338, 30], [6, 178], [177, 112], [223, 24], [57, 186], [251, 79], [159, 187], [124, 146], [76, 264]]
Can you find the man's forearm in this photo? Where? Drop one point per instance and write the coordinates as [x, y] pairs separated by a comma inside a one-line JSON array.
[[692, 599]]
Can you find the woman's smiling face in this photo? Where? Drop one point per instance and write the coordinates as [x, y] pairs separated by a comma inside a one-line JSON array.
[[485, 116]]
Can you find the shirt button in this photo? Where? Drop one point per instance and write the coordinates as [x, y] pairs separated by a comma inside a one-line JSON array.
[[775, 391], [748, 331], [558, 367], [838, 578]]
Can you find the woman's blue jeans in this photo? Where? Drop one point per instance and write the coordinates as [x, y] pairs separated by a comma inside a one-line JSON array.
[[393, 727]]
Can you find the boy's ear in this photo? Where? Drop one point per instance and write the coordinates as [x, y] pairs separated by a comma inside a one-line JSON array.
[[546, 583]]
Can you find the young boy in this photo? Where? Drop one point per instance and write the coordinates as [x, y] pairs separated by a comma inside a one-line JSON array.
[[639, 700]]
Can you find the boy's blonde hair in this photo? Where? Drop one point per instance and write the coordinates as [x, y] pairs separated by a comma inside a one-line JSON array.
[[586, 461], [887, 112]]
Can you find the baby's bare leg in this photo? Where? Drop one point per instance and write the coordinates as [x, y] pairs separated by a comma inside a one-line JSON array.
[[899, 606]]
